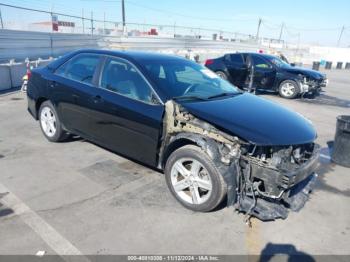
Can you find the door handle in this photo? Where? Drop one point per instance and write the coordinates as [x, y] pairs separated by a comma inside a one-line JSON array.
[[97, 99], [75, 98]]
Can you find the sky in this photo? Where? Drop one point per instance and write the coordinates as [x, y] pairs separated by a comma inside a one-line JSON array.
[[312, 22]]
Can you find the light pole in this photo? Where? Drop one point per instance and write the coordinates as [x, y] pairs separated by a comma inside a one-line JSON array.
[[281, 32], [341, 34], [258, 31], [123, 16]]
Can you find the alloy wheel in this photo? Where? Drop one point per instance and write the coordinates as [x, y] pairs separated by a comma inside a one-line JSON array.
[[288, 89], [191, 181], [48, 121]]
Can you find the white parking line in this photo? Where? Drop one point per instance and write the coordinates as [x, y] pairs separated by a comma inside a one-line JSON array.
[[54, 239]]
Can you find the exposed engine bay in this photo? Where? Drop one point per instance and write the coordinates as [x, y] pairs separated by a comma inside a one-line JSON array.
[[262, 181], [308, 85]]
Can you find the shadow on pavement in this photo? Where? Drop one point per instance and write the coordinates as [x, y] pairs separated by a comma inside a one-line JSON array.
[[271, 251], [3, 210], [327, 167], [326, 100]]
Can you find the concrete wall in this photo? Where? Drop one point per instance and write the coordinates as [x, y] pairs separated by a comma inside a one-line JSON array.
[[17, 71], [20, 45], [11, 74], [5, 77]]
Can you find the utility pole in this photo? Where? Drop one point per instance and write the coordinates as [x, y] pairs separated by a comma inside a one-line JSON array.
[[82, 20], [341, 34], [258, 31], [1, 22], [281, 32], [123, 15]]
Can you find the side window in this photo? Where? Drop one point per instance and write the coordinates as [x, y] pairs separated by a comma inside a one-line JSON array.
[[236, 58], [260, 63], [121, 77], [80, 68]]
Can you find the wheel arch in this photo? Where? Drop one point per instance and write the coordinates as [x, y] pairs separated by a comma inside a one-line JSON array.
[[38, 103], [289, 77], [183, 139], [175, 144]]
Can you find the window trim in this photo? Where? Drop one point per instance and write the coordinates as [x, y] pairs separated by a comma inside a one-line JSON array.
[[101, 70], [95, 75]]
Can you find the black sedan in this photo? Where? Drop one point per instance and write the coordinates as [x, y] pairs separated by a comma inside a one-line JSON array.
[[211, 140], [267, 72]]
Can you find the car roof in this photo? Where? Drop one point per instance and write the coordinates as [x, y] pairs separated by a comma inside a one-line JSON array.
[[133, 55], [259, 54]]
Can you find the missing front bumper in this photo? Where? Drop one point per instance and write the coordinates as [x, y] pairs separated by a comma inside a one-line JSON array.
[[313, 86], [268, 209]]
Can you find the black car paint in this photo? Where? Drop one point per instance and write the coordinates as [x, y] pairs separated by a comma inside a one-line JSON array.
[[104, 117], [134, 128], [256, 120], [264, 78]]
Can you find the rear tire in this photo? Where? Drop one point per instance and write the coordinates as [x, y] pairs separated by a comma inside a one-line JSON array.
[[289, 89], [221, 74], [194, 180], [50, 124]]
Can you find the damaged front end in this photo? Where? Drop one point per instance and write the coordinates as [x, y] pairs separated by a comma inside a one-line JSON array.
[[273, 180], [262, 181], [308, 85]]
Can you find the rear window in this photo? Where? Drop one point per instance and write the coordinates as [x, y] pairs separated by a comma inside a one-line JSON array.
[[80, 68]]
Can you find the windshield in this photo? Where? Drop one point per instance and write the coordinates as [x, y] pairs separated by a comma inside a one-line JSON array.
[[278, 62], [182, 79]]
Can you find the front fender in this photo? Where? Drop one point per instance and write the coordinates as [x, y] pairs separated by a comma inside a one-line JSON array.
[[287, 76]]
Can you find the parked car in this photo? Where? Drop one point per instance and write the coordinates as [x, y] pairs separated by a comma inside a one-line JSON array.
[[211, 140], [269, 73]]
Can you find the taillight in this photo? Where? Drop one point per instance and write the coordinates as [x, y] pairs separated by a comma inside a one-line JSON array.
[[29, 73], [209, 62]]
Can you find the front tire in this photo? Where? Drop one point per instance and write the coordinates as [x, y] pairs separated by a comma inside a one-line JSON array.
[[194, 180], [50, 124], [289, 89]]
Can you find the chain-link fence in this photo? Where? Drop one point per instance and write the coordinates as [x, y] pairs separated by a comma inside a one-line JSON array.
[[28, 19]]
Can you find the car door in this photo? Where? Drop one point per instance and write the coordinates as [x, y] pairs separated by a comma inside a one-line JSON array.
[[73, 92], [264, 73], [236, 68], [129, 114]]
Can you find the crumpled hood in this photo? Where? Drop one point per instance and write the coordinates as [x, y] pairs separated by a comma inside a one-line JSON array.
[[254, 119], [306, 72]]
